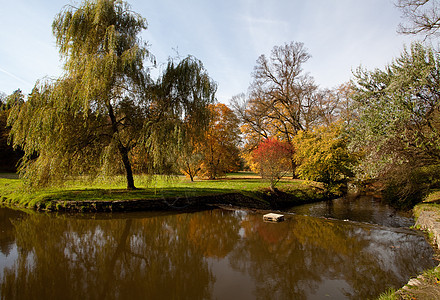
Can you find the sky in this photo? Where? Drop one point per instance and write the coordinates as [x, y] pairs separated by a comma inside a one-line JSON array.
[[228, 36]]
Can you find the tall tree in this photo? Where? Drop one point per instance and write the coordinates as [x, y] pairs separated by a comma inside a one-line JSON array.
[[105, 108], [281, 92], [423, 16], [282, 98], [399, 109]]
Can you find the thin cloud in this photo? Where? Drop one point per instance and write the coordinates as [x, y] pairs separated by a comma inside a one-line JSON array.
[[14, 76]]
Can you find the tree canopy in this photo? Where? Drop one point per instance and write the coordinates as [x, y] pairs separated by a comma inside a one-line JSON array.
[[398, 114], [281, 95], [323, 155]]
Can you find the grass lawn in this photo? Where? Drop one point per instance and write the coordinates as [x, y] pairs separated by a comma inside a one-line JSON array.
[[13, 190]]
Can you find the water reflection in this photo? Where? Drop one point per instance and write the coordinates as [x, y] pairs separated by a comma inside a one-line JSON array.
[[215, 254], [7, 232], [362, 209]]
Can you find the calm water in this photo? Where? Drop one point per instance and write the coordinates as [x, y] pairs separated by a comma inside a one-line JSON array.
[[216, 254]]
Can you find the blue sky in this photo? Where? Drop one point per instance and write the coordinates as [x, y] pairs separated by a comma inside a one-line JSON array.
[[227, 36]]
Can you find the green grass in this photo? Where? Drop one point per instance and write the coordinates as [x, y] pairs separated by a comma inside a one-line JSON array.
[[388, 295], [433, 197], [13, 191]]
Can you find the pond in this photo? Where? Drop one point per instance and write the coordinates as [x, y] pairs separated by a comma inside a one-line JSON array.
[[212, 254]]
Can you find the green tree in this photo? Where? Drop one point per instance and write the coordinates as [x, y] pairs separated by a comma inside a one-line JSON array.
[[322, 155], [185, 92], [398, 117], [105, 112]]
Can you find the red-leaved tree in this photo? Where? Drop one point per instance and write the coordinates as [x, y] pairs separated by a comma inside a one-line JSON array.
[[272, 159]]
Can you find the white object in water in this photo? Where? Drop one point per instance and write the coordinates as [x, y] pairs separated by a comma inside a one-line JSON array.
[[273, 217]]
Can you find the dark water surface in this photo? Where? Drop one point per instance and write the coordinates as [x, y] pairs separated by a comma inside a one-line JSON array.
[[215, 254]]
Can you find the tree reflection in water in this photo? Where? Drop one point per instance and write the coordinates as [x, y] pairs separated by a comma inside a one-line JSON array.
[[297, 258], [166, 256], [148, 258]]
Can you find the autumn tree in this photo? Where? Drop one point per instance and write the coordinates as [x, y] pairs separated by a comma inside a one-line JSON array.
[[271, 159], [282, 98], [105, 107], [423, 16], [398, 124], [220, 148], [323, 155]]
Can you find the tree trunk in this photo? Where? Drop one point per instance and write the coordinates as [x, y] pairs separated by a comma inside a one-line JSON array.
[[189, 171], [128, 171], [292, 161], [122, 150]]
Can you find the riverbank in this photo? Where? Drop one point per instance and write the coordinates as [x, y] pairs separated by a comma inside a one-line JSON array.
[[160, 193], [426, 285]]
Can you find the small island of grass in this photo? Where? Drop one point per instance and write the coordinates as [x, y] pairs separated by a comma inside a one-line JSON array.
[[159, 192]]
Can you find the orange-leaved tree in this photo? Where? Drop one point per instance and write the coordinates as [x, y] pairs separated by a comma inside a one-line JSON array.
[[220, 148], [272, 159]]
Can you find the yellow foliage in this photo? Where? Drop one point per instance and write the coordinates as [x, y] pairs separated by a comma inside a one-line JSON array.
[[322, 155]]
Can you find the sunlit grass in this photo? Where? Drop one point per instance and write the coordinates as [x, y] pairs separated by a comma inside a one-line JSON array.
[[431, 203], [433, 197], [388, 295], [13, 190]]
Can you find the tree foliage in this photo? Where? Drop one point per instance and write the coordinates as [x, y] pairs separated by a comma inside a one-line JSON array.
[[104, 112], [322, 155], [220, 146], [179, 114], [283, 99], [271, 159], [398, 107]]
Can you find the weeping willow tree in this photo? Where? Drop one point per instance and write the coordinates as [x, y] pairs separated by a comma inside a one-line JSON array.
[[180, 114], [105, 113]]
